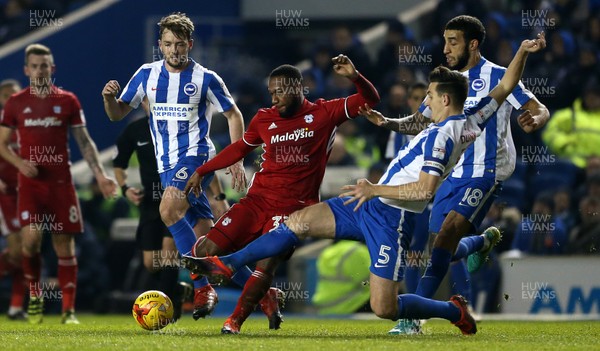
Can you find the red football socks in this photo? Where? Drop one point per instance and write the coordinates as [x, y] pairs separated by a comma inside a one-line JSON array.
[[67, 279], [255, 289], [32, 268]]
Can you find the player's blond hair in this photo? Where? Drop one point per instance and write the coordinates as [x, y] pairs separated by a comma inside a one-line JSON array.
[[178, 23], [38, 49]]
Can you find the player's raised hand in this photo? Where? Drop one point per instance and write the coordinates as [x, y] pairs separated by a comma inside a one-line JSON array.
[[134, 195], [193, 185], [108, 187], [534, 45], [363, 191], [111, 89], [344, 67], [373, 116], [28, 169], [238, 176]]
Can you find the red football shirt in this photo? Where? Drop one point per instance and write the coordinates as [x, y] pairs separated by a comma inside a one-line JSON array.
[[42, 126], [296, 149]]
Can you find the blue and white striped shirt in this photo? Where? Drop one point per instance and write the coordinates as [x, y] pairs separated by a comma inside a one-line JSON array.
[[493, 153], [436, 150], [181, 107]]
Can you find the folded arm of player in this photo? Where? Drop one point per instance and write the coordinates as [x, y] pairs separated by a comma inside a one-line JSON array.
[[410, 125], [115, 109], [363, 191], [228, 156], [90, 153], [366, 92], [26, 168]]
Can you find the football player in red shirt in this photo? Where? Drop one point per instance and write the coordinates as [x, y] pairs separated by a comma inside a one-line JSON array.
[[42, 114], [10, 258], [296, 136]]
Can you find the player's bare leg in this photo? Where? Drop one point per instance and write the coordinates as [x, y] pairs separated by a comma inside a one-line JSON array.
[[206, 247], [257, 290], [455, 226], [64, 246], [32, 266], [316, 221], [173, 207], [203, 226], [384, 293]]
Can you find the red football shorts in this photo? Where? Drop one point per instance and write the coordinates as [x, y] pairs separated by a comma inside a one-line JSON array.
[[49, 207], [247, 220]]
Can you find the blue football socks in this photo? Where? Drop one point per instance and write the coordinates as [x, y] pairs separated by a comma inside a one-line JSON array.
[[434, 274], [271, 244], [241, 276], [411, 306], [412, 275], [185, 238], [467, 246]]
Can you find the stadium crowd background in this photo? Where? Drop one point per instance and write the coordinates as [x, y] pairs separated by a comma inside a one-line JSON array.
[[549, 206]]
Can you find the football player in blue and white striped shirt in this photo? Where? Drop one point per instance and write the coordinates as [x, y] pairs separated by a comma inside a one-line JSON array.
[[466, 196], [182, 95]]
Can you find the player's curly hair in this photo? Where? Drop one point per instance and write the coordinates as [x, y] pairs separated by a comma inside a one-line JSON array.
[[452, 83], [178, 23], [287, 71], [470, 26], [37, 49]]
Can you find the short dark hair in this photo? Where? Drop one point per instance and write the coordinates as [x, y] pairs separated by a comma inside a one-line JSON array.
[[178, 23], [287, 71], [452, 83], [471, 27]]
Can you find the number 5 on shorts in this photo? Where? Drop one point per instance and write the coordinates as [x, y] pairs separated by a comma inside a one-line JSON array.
[[384, 257]]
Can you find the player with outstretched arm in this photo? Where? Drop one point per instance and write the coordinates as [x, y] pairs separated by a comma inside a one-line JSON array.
[[296, 136]]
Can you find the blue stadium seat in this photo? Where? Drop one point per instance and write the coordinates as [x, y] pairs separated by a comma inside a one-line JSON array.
[[550, 176], [513, 193]]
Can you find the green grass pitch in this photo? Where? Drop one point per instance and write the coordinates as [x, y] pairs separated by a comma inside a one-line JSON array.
[[120, 332]]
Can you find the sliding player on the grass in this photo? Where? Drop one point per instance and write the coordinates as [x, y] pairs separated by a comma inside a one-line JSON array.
[[407, 186], [296, 136]]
